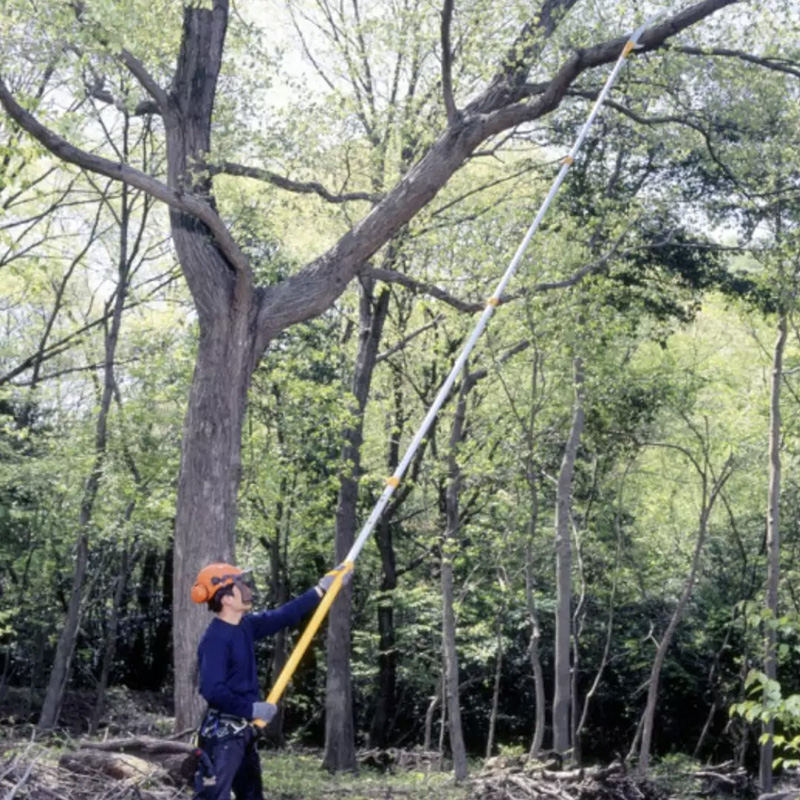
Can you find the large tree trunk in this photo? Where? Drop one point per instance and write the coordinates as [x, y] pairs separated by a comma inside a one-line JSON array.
[[561, 694], [227, 308], [773, 542], [340, 753], [207, 489]]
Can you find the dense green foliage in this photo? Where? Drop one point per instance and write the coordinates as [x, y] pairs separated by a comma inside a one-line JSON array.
[[691, 220]]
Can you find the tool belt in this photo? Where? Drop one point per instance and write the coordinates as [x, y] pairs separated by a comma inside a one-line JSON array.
[[217, 725]]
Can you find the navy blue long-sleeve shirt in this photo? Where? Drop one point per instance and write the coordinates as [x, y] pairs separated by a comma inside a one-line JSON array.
[[227, 658]]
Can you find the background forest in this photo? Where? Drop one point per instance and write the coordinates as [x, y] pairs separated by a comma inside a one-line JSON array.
[[614, 478]]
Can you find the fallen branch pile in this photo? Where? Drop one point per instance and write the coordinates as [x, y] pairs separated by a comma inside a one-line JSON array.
[[725, 779], [83, 775], [533, 782]]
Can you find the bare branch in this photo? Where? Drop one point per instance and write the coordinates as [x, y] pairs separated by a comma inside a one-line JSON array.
[[420, 287], [182, 201], [398, 346], [143, 108], [309, 187], [151, 86], [776, 64]]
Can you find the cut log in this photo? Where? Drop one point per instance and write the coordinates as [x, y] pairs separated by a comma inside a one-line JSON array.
[[140, 744], [121, 766]]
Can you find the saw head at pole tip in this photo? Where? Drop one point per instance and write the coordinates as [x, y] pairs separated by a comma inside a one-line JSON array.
[[645, 25]]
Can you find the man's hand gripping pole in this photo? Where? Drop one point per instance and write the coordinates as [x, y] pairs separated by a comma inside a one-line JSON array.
[[308, 634]]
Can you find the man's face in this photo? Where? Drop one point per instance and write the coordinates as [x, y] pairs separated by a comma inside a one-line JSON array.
[[241, 598]]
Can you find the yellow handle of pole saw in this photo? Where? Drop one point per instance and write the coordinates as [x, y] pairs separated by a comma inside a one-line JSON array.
[[305, 640]]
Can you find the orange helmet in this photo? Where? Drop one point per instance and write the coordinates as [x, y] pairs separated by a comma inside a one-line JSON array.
[[211, 579]]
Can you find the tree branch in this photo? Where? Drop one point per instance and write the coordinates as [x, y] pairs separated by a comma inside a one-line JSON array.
[[447, 64], [150, 85], [309, 187], [311, 291], [133, 65], [398, 346], [420, 287], [779, 65]]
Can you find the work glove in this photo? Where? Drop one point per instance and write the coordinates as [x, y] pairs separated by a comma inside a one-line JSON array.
[[328, 578], [264, 711]]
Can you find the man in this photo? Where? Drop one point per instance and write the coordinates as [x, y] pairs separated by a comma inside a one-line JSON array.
[[228, 759]]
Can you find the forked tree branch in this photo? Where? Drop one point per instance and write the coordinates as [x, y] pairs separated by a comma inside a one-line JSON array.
[[133, 64], [313, 289]]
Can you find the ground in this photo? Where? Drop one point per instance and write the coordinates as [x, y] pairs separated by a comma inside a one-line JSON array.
[[61, 766]]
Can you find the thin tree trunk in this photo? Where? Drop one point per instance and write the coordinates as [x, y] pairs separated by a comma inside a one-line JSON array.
[[773, 544], [648, 717], [498, 672], [443, 716], [387, 655], [561, 694], [431, 710], [610, 624], [340, 752], [533, 650], [110, 649], [577, 630], [62, 664], [449, 546], [532, 478], [718, 699]]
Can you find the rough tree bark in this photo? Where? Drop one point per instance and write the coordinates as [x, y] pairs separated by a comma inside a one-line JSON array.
[[562, 683], [773, 542], [237, 320]]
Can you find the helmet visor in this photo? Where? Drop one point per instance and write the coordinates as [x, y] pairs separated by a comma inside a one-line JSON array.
[[247, 586]]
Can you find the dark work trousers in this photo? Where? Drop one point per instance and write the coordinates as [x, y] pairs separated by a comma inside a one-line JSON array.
[[236, 767]]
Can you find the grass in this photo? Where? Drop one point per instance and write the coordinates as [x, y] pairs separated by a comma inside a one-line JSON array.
[[289, 776]]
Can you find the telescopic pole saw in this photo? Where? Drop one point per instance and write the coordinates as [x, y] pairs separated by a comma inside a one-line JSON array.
[[491, 304]]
